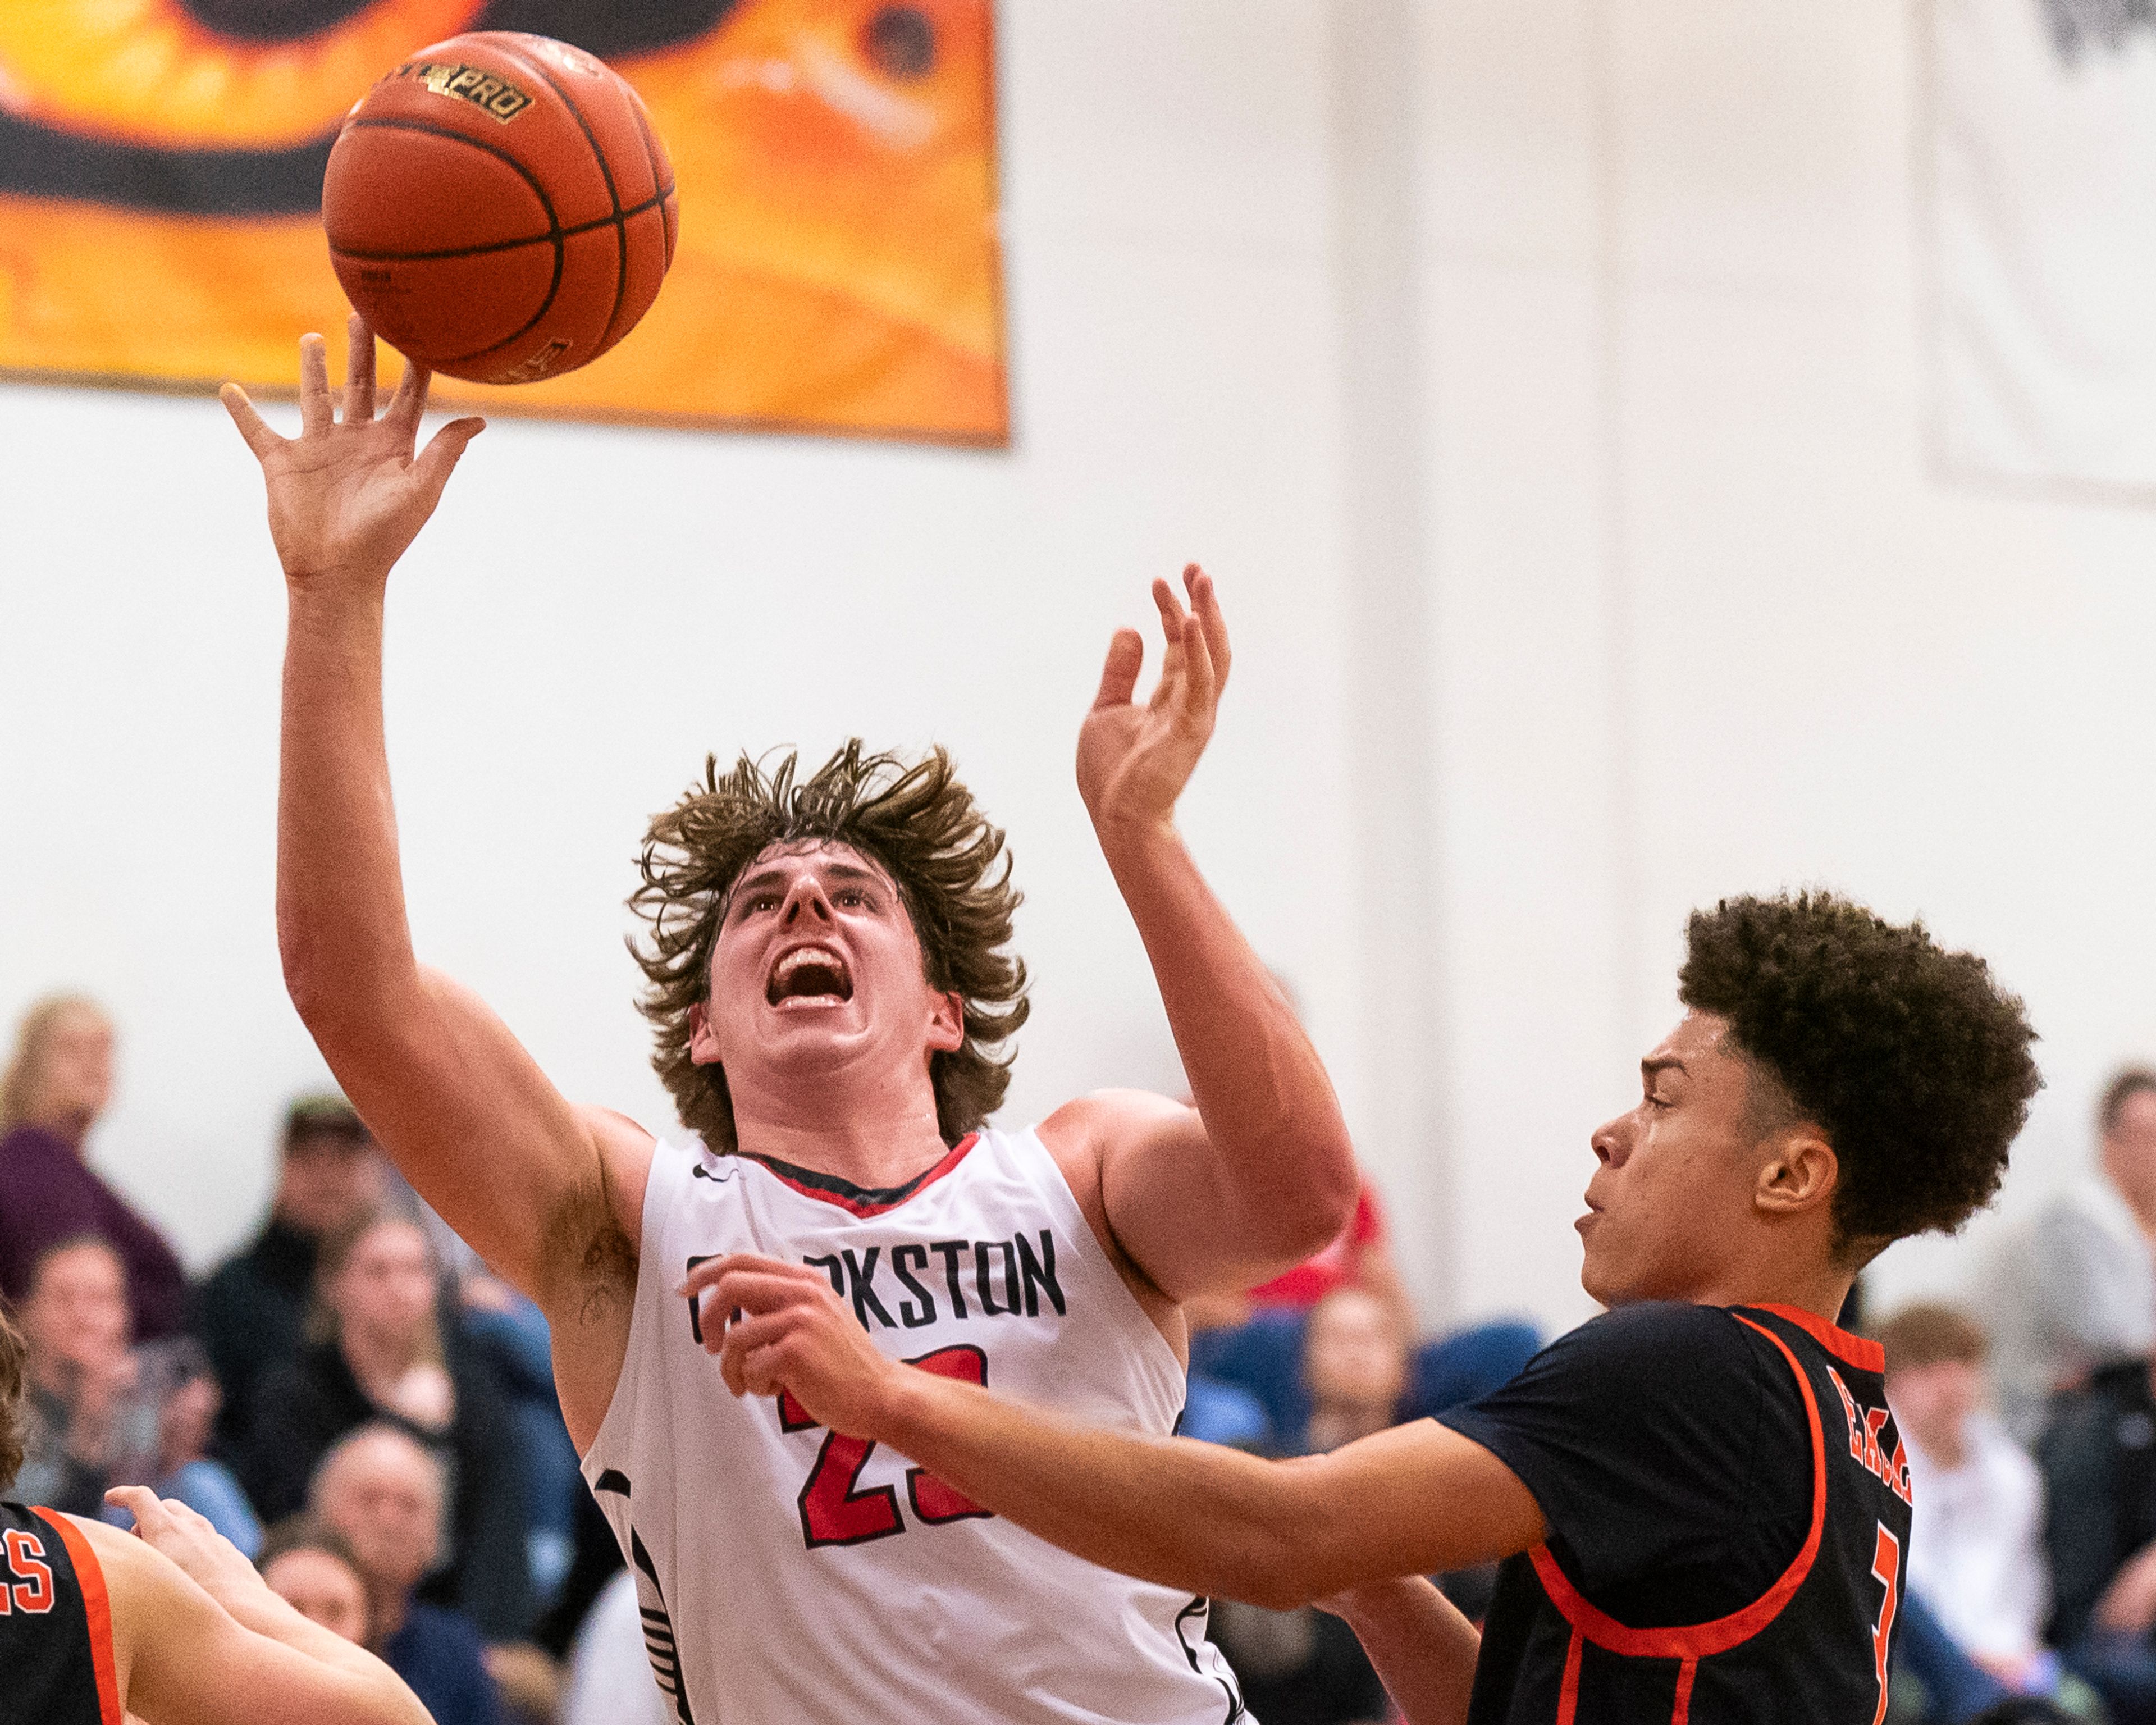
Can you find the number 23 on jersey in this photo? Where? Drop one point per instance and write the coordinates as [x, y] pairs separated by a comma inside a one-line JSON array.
[[834, 1511]]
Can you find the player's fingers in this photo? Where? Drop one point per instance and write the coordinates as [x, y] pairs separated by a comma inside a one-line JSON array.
[[764, 1370], [1119, 677], [358, 373], [315, 415], [252, 426], [443, 450], [1171, 609], [755, 1291], [1205, 602], [1199, 690], [712, 1270], [744, 1335], [410, 401], [139, 1502]]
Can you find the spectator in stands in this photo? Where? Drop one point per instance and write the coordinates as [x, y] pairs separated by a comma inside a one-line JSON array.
[[1355, 1366], [2077, 1287], [89, 1427], [1304, 1668], [313, 1568], [252, 1312], [56, 1085], [379, 1353], [383, 1492], [1976, 1547], [185, 1391], [2098, 1457]]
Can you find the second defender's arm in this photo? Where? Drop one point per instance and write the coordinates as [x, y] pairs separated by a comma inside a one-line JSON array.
[[1423, 1648], [452, 1096], [1262, 1173]]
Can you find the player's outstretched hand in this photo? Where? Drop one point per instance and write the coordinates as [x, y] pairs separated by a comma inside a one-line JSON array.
[[1133, 760], [189, 1540], [347, 495], [788, 1331]]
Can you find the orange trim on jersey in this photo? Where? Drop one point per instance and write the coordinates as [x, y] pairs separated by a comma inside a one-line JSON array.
[[860, 1200], [96, 1610], [1681, 1712], [1859, 1351], [1701, 1640], [1568, 1694]]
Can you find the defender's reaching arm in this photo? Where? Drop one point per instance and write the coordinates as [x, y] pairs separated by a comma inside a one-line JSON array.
[[447, 1089], [1262, 1173], [1412, 1501]]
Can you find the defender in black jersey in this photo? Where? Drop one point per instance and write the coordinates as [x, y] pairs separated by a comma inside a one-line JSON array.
[[96, 1624], [1700, 1500]]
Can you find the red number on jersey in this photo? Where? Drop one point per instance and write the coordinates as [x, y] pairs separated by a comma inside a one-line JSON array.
[[934, 1501], [33, 1593], [1887, 1569], [836, 1512]]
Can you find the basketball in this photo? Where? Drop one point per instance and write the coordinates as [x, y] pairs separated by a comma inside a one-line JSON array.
[[500, 209]]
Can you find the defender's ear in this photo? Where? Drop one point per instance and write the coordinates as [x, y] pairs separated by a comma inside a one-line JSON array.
[[1800, 1174]]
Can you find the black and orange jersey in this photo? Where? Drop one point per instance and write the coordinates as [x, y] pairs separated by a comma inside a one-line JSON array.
[[1727, 1502], [55, 1625]]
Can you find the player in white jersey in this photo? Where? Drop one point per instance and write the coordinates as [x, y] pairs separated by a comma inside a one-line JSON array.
[[831, 989]]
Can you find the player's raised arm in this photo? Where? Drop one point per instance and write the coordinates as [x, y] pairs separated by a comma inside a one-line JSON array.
[[456, 1101], [1262, 1173], [1411, 1501]]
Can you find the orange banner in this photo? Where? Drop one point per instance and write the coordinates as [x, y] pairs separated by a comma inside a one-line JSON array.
[[161, 166]]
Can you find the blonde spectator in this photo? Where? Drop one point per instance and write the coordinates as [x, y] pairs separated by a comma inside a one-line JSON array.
[[56, 1085]]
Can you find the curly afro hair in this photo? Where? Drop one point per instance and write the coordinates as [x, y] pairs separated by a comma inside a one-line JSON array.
[[914, 819], [1911, 1061]]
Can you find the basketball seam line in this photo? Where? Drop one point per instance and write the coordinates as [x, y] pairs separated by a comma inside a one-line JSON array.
[[553, 236], [651, 155], [606, 173], [538, 191]]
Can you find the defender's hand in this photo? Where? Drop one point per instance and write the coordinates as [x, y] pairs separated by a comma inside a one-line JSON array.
[[788, 1331], [189, 1540], [1134, 761], [347, 497]]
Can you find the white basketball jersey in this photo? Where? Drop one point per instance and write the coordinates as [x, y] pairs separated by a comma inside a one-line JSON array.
[[789, 1576]]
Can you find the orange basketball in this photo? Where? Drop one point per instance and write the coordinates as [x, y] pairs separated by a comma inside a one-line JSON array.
[[499, 208]]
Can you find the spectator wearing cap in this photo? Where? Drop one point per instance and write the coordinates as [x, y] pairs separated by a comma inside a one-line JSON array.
[[251, 1312], [55, 1085], [2077, 1286]]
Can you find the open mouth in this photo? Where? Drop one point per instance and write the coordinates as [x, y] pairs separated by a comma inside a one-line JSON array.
[[810, 974]]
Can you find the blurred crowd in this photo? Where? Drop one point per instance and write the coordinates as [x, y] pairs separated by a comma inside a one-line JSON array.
[[362, 1409]]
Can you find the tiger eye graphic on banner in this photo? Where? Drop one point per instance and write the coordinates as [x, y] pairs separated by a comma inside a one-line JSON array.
[[836, 267]]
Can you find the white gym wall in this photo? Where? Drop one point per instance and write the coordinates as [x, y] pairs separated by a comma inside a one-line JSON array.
[[1544, 388]]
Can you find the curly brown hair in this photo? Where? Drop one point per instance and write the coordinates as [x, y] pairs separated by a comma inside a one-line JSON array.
[[915, 820], [1910, 1058]]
